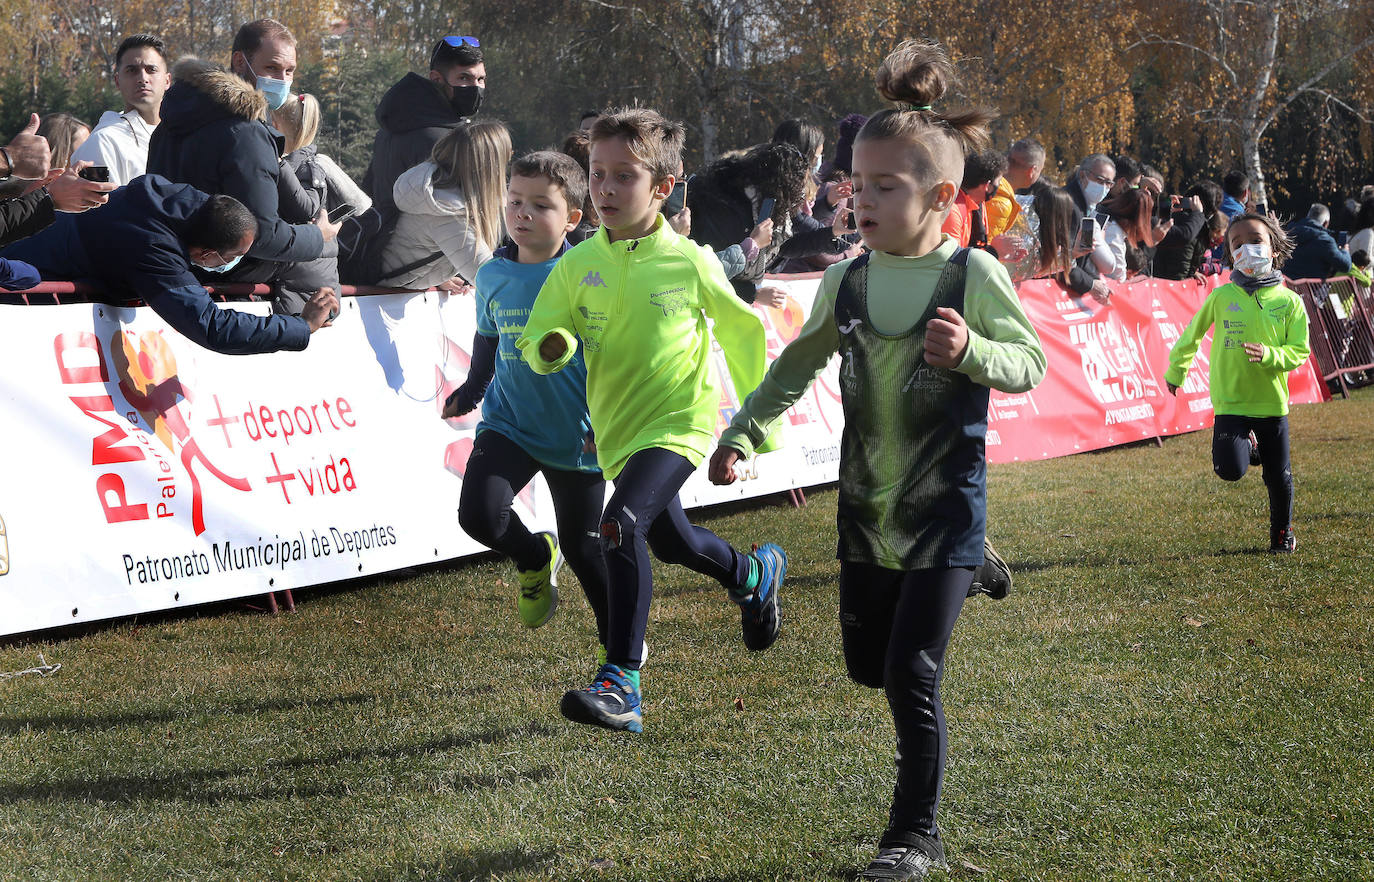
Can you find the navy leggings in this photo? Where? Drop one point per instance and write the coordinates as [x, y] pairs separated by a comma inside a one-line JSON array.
[[1231, 459], [497, 469], [895, 627], [644, 513]]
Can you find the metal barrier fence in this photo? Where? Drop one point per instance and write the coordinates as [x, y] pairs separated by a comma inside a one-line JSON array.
[[1340, 315]]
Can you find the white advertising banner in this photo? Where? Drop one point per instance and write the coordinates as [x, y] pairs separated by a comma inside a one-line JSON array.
[[143, 472]]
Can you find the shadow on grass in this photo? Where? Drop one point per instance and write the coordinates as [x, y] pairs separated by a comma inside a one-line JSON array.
[[709, 586], [78, 722], [196, 785], [471, 864]]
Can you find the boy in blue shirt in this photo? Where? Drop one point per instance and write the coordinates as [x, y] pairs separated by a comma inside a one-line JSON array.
[[532, 423]]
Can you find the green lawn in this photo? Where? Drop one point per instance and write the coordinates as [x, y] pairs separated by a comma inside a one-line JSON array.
[[1156, 700]]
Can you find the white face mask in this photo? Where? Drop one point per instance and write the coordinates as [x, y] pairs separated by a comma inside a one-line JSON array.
[[1253, 260], [1094, 192]]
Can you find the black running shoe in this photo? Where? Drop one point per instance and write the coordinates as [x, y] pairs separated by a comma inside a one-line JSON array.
[[611, 701], [906, 862], [1283, 541], [993, 578]]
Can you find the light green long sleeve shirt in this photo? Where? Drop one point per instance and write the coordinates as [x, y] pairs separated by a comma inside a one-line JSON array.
[[1003, 349]]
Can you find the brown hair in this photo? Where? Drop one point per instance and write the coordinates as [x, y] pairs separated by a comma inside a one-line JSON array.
[[914, 76], [472, 158], [578, 146], [654, 141], [1054, 209], [60, 129], [1134, 209], [560, 168], [255, 33], [1280, 243]]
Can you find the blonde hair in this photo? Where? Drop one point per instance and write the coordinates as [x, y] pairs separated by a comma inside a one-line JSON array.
[[299, 120], [914, 76], [472, 159]]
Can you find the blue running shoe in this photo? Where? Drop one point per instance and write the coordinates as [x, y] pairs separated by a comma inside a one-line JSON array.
[[760, 613], [610, 701]]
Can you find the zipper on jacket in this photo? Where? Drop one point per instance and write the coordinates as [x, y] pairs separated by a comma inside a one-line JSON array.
[[624, 275]]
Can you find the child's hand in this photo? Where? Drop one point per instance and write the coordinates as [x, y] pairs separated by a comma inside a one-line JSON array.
[[1173, 390], [946, 338], [722, 468], [1255, 351], [552, 347], [453, 405], [771, 295]]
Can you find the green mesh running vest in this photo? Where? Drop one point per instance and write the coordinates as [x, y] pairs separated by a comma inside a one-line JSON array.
[[913, 475]]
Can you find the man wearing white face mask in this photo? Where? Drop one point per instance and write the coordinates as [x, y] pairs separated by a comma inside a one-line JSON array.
[[1088, 186], [145, 243], [215, 136]]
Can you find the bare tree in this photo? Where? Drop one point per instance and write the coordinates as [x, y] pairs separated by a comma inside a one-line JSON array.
[[1242, 41]]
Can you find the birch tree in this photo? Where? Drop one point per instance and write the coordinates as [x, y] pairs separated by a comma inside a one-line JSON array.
[[1240, 69]]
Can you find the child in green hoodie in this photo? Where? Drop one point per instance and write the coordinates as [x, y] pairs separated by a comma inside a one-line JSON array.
[[636, 296], [1261, 336]]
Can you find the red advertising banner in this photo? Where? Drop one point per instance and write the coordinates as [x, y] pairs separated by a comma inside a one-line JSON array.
[[1105, 382]]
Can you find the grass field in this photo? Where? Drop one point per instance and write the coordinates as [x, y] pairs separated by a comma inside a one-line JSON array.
[[1156, 700]]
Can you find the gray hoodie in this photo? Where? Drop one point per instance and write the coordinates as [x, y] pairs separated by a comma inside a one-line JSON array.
[[433, 240]]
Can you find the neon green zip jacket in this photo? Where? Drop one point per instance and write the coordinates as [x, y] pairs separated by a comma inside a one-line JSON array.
[[639, 307], [1273, 316]]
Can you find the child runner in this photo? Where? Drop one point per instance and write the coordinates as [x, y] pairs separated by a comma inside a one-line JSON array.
[[531, 423], [924, 328], [637, 296], [1263, 335]]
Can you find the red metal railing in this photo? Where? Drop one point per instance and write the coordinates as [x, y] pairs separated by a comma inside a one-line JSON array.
[[1340, 316]]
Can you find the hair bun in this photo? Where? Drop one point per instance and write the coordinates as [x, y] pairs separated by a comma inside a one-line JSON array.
[[916, 73]]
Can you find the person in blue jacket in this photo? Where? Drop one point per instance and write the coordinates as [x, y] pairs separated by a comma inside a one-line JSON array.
[[1315, 252], [145, 242]]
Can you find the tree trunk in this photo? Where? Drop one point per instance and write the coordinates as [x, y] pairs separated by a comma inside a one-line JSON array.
[[1250, 156], [710, 132]]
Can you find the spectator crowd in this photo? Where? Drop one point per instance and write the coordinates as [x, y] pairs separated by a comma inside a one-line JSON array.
[[428, 211]]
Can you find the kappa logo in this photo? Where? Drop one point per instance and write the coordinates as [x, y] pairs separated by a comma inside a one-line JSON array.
[[593, 279], [849, 326], [1234, 307]]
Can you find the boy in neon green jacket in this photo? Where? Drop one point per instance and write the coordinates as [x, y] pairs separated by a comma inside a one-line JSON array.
[[1261, 335], [637, 295]]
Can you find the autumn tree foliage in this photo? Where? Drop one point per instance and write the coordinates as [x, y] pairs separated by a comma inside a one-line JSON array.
[[1281, 87]]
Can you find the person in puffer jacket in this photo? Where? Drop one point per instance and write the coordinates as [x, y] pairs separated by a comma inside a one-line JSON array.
[[450, 209]]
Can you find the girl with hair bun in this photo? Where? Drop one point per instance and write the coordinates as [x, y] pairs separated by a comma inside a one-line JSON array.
[[924, 328]]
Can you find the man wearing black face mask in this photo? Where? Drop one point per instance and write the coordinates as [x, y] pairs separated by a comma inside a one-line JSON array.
[[417, 111]]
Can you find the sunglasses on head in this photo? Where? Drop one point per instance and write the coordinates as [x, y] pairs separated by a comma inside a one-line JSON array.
[[456, 42]]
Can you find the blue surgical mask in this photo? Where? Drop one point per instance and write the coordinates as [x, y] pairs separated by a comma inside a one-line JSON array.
[[224, 268], [817, 169], [1094, 192], [273, 89]]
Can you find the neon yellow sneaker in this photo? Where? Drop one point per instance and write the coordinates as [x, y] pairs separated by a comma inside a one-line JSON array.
[[538, 599]]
